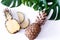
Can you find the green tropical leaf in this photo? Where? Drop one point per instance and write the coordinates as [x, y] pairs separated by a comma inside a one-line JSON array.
[[23, 1], [6, 2], [45, 4], [14, 3], [38, 5], [58, 17], [34, 1], [19, 2], [54, 13]]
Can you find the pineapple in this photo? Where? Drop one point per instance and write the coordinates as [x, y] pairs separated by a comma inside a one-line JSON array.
[[11, 24], [25, 23], [21, 16], [33, 30]]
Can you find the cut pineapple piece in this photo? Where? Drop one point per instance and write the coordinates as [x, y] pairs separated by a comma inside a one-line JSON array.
[[12, 26], [25, 24], [21, 17]]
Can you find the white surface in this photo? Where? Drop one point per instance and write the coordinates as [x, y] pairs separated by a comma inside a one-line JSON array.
[[50, 31]]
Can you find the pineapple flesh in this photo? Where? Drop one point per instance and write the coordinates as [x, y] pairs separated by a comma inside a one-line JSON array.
[[11, 25]]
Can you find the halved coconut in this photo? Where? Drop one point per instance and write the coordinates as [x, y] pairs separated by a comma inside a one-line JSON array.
[[12, 26], [25, 24], [21, 17]]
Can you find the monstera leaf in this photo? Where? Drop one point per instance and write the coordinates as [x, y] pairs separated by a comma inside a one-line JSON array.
[[38, 5], [9, 2]]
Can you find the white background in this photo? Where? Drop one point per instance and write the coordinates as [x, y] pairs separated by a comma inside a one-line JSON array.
[[50, 30]]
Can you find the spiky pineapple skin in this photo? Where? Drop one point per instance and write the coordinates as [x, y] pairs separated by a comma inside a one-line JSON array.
[[33, 30]]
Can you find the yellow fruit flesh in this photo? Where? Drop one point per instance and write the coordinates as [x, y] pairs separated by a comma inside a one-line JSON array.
[[25, 23], [12, 26], [21, 17]]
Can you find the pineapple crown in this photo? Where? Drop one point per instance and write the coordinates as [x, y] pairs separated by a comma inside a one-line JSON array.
[[7, 13], [41, 18]]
